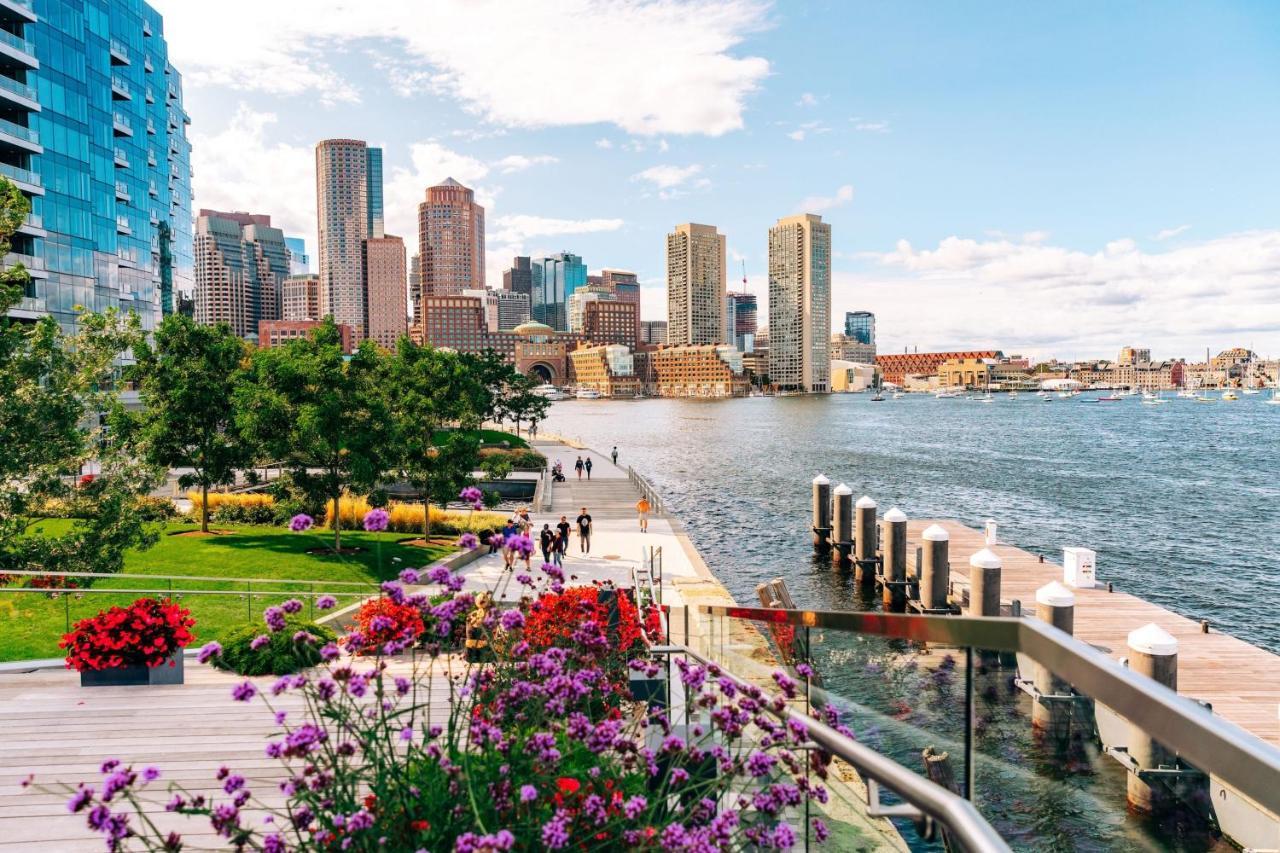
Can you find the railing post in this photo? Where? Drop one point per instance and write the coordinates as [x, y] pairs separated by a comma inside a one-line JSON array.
[[1051, 714], [1153, 652], [895, 559], [866, 541], [821, 513], [936, 568], [842, 519]]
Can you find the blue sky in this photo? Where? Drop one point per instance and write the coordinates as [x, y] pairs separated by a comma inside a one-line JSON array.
[[1049, 179]]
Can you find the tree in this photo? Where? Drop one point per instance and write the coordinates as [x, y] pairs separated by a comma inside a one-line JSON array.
[[519, 401], [492, 372], [431, 389], [188, 380], [324, 417]]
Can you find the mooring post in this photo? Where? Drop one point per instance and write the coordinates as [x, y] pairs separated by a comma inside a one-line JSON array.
[[842, 532], [1055, 605], [821, 513], [894, 543], [865, 549], [984, 583], [935, 579], [1153, 652]]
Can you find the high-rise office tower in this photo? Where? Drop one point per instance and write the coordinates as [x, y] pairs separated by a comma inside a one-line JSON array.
[[375, 221], [860, 326], [342, 208], [553, 280], [384, 288], [240, 264], [415, 287], [100, 149], [740, 320], [800, 304], [695, 285], [299, 260], [625, 286], [653, 332], [519, 277], [300, 298], [450, 240]]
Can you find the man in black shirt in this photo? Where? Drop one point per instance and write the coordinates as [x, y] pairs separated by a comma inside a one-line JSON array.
[[584, 531], [564, 527]]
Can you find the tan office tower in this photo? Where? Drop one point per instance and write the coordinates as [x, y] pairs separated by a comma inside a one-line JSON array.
[[695, 285], [450, 240], [240, 264], [300, 298], [342, 208], [800, 304], [385, 287]]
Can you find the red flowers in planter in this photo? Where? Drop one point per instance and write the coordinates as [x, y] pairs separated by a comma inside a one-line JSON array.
[[147, 632], [382, 621], [553, 618]]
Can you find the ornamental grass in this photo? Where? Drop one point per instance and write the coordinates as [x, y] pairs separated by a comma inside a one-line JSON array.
[[245, 501], [407, 517]]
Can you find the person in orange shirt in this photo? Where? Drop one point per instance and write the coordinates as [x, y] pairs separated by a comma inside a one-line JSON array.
[[642, 509]]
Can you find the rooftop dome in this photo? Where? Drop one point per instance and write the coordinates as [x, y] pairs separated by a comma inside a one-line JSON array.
[[533, 329]]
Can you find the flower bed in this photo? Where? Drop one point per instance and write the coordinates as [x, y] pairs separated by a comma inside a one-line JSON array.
[[146, 633]]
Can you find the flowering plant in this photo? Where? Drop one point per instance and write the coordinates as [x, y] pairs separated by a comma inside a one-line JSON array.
[[147, 632], [382, 621]]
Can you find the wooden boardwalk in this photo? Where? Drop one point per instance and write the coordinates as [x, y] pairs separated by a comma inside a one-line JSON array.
[[1241, 681]]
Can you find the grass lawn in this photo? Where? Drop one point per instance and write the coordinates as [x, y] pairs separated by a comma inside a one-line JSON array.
[[32, 623], [490, 436]]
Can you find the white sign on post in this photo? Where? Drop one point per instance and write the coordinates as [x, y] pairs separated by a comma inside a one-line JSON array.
[[1079, 568], [991, 532]]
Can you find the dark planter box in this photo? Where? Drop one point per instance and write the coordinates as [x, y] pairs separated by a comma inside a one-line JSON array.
[[650, 690], [124, 676]]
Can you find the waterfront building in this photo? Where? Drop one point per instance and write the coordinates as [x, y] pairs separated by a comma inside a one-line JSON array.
[[513, 308], [300, 298], [580, 299], [625, 286], [518, 278], [897, 366], [460, 323], [653, 331], [1133, 355], [299, 260], [343, 213], [94, 134], [385, 276], [607, 368], [553, 280], [695, 285], [450, 240], [860, 326], [273, 333], [964, 373], [740, 318], [698, 370], [240, 264], [610, 322], [849, 376], [846, 348], [800, 304]]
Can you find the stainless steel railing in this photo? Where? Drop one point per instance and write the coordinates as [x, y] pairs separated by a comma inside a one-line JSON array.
[[646, 489]]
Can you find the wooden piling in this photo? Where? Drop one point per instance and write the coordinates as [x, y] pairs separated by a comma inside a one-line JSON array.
[[842, 518], [935, 578], [865, 547], [894, 559], [984, 583], [821, 513], [1050, 714], [1153, 652]]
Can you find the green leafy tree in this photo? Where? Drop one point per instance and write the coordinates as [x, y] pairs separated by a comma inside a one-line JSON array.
[[323, 416], [429, 390], [520, 402], [187, 380], [493, 373]]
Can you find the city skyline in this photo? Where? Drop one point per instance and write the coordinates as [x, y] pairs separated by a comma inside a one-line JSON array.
[[1140, 200]]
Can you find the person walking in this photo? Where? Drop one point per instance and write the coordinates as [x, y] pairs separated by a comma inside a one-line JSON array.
[[578, 466], [614, 454], [584, 531], [587, 465], [547, 538], [509, 531], [559, 544], [642, 510]]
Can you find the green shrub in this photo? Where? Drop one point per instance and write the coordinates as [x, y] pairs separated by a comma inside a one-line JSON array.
[[152, 508], [280, 656], [245, 514]]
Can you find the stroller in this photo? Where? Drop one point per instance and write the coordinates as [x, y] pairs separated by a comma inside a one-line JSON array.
[[557, 473]]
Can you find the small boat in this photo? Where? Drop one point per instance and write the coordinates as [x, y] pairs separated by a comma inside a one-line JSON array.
[[1013, 395], [1229, 395], [898, 395], [588, 394], [877, 398], [1187, 394], [946, 395], [1250, 391], [1110, 398]]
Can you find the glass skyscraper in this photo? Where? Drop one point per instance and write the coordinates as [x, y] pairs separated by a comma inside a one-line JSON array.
[[860, 326], [93, 130], [373, 193], [553, 281]]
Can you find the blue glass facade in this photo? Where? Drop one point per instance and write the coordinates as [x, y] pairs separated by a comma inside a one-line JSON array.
[[553, 281], [111, 196], [860, 326], [373, 192], [299, 260]]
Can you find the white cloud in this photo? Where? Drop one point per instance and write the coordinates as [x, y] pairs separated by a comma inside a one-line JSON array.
[[870, 126], [818, 203], [809, 127], [1169, 233], [667, 177], [498, 70], [807, 99], [432, 162], [797, 135], [237, 169], [521, 227], [1051, 300], [604, 143], [520, 162]]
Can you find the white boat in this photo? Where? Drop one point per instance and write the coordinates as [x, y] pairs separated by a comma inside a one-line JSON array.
[[588, 394], [1250, 391], [1065, 394], [1229, 395], [1013, 395], [898, 395], [1152, 399], [946, 395]]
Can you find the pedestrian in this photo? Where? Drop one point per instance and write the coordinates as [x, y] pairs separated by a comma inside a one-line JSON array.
[[587, 465], [526, 523], [584, 531], [614, 454], [559, 545], [564, 528], [547, 538], [533, 428], [509, 532], [642, 510], [577, 466]]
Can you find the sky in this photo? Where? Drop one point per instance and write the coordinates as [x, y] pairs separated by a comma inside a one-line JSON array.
[[1046, 179]]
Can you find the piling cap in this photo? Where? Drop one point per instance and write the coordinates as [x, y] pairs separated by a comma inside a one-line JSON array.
[[895, 515], [865, 502], [821, 480], [935, 533], [1054, 594], [985, 559], [1151, 639], [842, 490]]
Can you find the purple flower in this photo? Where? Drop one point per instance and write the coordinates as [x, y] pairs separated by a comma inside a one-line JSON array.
[[244, 691], [470, 495], [512, 619], [406, 733], [326, 602], [555, 832], [330, 652], [301, 522], [376, 519], [293, 605], [820, 831], [409, 576], [80, 799], [209, 651], [497, 541], [274, 617], [259, 641], [760, 763], [468, 541], [783, 837], [528, 793], [304, 637], [634, 807], [521, 544], [150, 774]]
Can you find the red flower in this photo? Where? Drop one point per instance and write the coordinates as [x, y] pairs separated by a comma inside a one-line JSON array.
[[421, 825], [404, 620], [158, 629], [568, 784]]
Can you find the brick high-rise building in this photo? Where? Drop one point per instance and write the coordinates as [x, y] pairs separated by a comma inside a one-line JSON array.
[[300, 298], [608, 321], [695, 285], [240, 265], [625, 286], [386, 309], [349, 209], [450, 240], [800, 304]]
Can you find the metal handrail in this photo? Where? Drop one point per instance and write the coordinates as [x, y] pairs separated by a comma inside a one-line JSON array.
[[637, 479], [103, 576], [960, 817], [1214, 745]]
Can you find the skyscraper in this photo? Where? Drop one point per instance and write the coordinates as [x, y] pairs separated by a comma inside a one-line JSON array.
[[519, 277], [695, 285], [740, 320], [800, 304], [300, 298], [299, 260], [384, 288], [100, 148], [241, 263], [860, 326], [450, 240], [415, 287], [373, 194], [625, 286], [342, 208], [553, 280]]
